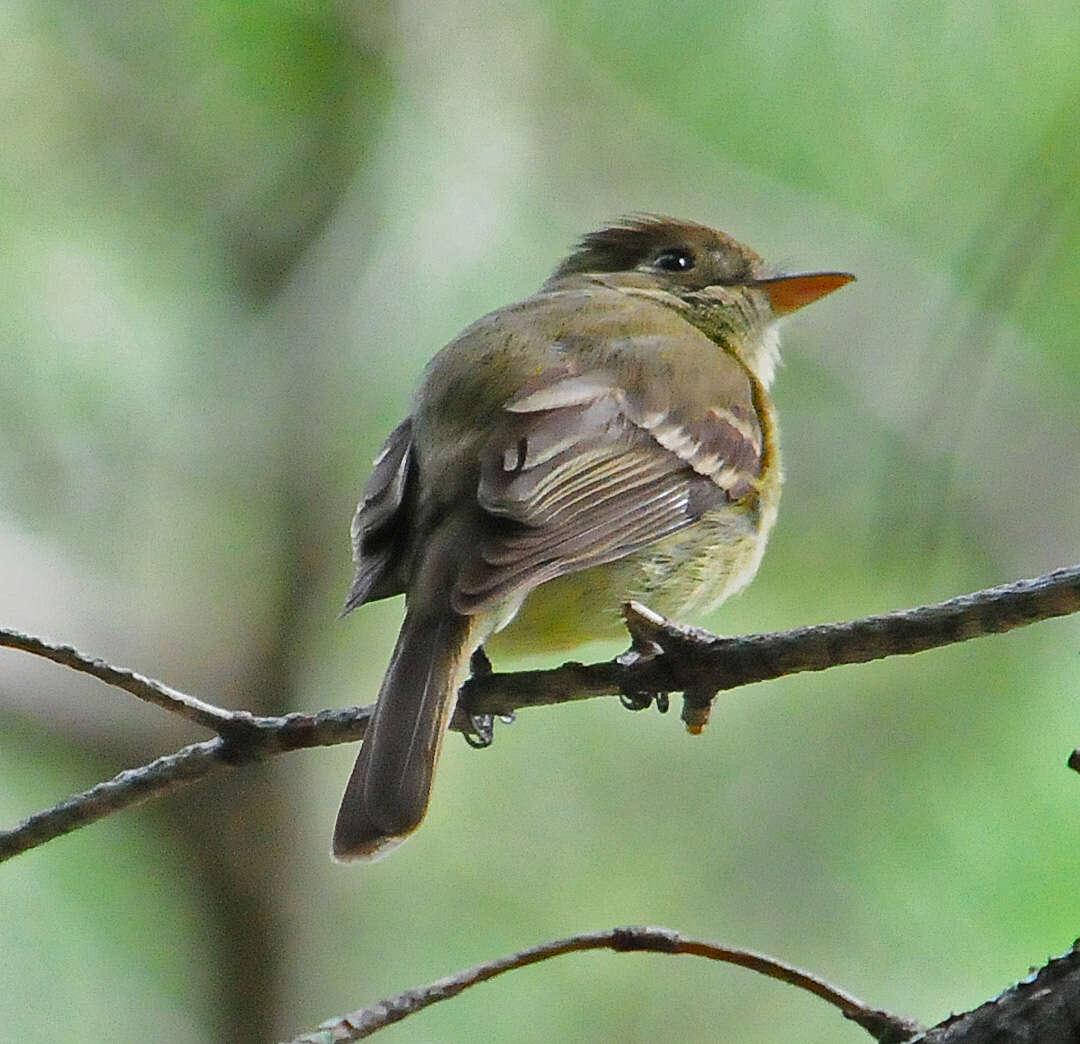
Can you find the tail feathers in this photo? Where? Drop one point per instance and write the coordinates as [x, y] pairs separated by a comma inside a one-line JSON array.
[[388, 792]]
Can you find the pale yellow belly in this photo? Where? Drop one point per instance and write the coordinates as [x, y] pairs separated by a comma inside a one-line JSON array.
[[684, 575]]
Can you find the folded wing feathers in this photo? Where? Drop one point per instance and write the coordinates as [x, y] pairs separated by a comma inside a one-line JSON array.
[[569, 391], [379, 527], [385, 489], [495, 576], [723, 446], [587, 472], [546, 496], [582, 473], [615, 515]]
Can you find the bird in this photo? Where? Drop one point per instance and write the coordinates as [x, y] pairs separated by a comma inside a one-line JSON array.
[[609, 438]]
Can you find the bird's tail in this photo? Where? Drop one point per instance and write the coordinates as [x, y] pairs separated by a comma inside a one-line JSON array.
[[387, 794]]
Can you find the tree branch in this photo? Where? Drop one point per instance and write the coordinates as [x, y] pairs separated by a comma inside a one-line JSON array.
[[667, 657], [1044, 1006], [243, 738], [882, 1025], [690, 660], [130, 787], [148, 689]]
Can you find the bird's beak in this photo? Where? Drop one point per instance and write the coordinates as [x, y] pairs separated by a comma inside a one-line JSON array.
[[791, 292]]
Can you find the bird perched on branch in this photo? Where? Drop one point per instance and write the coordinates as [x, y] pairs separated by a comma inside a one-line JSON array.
[[610, 437]]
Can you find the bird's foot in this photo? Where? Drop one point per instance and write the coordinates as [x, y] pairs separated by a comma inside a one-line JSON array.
[[481, 727], [637, 701], [642, 649], [648, 633]]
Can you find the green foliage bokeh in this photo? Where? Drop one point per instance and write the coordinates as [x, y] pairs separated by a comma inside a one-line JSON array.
[[232, 236]]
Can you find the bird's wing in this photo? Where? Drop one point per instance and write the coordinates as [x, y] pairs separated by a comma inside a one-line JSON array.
[[583, 471], [380, 527]]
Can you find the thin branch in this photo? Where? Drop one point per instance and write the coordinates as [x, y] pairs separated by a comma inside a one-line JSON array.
[[692, 660], [130, 787], [245, 738], [668, 658], [148, 689], [882, 1025]]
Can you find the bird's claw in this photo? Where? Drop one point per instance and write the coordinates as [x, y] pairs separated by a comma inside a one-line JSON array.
[[636, 701], [481, 727], [642, 649], [481, 731]]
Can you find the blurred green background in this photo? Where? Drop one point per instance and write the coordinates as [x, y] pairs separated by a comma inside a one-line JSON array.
[[232, 235]]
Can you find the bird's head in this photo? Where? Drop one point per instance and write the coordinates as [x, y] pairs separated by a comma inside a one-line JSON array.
[[720, 286]]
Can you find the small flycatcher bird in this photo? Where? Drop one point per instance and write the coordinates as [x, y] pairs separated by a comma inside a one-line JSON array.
[[609, 438]]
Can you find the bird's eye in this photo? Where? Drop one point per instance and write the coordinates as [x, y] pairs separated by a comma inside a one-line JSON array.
[[674, 261]]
